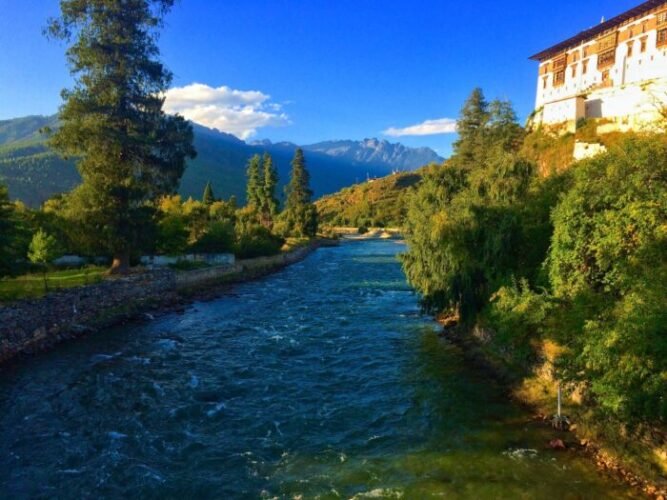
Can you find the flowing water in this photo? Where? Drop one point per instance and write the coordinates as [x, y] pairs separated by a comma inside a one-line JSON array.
[[322, 381]]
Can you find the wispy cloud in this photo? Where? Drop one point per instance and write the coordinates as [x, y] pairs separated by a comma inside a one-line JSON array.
[[238, 112], [428, 127]]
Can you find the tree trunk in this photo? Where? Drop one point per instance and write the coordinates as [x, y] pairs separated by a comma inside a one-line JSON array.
[[120, 264]]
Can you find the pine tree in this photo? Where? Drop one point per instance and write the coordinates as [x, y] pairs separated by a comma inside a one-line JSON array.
[[471, 128], [208, 198], [254, 183], [269, 201], [300, 214], [130, 152]]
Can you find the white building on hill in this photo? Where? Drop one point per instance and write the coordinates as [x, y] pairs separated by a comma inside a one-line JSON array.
[[615, 72]]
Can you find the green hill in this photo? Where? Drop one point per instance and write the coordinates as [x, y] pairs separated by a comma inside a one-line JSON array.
[[378, 202], [34, 173]]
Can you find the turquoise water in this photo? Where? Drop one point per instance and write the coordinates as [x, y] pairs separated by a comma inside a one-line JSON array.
[[322, 381]]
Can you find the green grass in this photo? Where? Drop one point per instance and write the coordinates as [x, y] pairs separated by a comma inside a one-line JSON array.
[[32, 285]]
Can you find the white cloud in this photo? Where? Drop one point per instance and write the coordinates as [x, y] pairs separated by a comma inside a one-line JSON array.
[[428, 127], [238, 112]]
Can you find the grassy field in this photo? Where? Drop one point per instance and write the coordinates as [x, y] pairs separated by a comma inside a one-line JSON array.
[[32, 285]]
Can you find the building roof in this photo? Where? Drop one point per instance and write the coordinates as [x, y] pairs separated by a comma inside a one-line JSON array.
[[596, 30]]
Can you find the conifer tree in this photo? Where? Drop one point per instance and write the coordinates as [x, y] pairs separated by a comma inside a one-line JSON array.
[[254, 183], [130, 152], [208, 198], [471, 127], [269, 201], [300, 214]]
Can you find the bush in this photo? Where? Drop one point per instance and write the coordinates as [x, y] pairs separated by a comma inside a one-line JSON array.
[[218, 238], [609, 258], [257, 241]]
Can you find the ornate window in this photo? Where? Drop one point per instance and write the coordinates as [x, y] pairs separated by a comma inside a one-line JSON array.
[[584, 67], [643, 44], [607, 58], [560, 65], [630, 47], [662, 17], [607, 42], [662, 37]]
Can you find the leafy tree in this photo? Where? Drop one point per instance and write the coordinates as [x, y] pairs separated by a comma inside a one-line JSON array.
[[253, 239], [300, 215], [223, 210], [44, 249], [208, 198], [219, 237], [254, 183], [172, 235], [130, 152], [608, 265], [269, 202], [464, 221]]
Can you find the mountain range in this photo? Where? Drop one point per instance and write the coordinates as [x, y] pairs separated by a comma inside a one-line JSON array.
[[33, 172]]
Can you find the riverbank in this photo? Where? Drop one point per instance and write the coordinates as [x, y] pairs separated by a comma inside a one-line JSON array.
[[370, 233], [30, 326], [638, 458]]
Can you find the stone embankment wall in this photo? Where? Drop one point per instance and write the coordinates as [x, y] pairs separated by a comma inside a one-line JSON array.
[[29, 326]]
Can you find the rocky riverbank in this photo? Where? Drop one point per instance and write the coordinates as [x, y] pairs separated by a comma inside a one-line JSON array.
[[30, 326], [639, 458]]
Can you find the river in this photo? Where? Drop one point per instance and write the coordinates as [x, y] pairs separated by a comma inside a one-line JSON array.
[[321, 381]]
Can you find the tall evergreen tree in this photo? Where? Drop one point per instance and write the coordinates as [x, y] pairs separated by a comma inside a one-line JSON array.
[[269, 207], [471, 127], [130, 152], [300, 213], [254, 183], [208, 198]]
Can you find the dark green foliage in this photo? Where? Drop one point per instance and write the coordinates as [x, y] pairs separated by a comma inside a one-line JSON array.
[[609, 259], [218, 238], [254, 186], [208, 197], [8, 234], [300, 215], [253, 239], [172, 235], [464, 221], [130, 152], [269, 202], [578, 258]]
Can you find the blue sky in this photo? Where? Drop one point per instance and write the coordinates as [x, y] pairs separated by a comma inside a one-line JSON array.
[[311, 70]]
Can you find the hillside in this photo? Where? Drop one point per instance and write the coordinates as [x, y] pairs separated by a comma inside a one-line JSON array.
[[379, 202], [34, 173]]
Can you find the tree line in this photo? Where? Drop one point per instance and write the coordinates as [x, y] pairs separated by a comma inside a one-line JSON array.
[[577, 257], [131, 156]]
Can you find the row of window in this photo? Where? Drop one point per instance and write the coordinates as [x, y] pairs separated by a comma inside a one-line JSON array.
[[605, 59], [608, 42]]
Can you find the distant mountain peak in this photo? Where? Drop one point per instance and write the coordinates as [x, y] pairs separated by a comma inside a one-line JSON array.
[[377, 152]]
